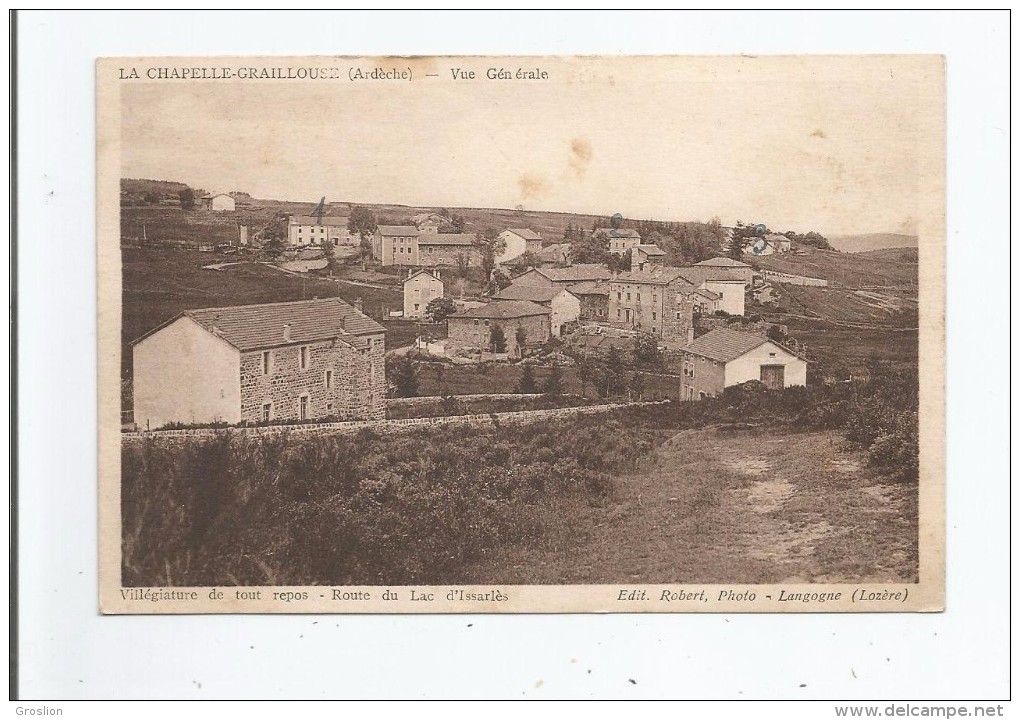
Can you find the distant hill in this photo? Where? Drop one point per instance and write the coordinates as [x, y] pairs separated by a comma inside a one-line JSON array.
[[872, 241], [885, 267], [160, 187]]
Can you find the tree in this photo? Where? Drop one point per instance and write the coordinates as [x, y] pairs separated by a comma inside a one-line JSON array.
[[527, 260], [151, 198], [187, 198], [330, 255], [497, 339], [521, 337], [499, 281], [364, 253], [274, 248], [491, 247], [592, 248], [403, 376], [439, 309], [457, 223], [362, 223], [646, 350], [554, 381], [614, 370], [527, 385], [585, 370], [637, 386], [463, 263]]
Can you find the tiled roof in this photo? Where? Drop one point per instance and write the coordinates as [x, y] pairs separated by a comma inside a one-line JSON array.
[[413, 275], [525, 233], [253, 327], [554, 253], [446, 239], [708, 294], [397, 230], [619, 232], [650, 250], [327, 220], [504, 309], [590, 288], [576, 273], [722, 262], [698, 275], [534, 293], [658, 275], [724, 345]]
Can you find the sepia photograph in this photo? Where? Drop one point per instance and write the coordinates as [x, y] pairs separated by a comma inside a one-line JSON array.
[[521, 334]]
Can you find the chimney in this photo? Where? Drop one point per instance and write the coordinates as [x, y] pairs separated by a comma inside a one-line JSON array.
[[286, 332], [438, 276]]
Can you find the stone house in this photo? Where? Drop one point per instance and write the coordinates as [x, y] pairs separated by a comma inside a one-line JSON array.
[[594, 297], [564, 276], [313, 230], [420, 288], [620, 240], [447, 249], [643, 256], [565, 307], [304, 360], [396, 245], [218, 202], [472, 327], [727, 284], [732, 267], [706, 302], [428, 222], [725, 357], [658, 301], [518, 241]]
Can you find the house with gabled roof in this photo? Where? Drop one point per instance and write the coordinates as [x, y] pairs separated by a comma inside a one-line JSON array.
[[299, 361], [396, 244], [724, 357], [726, 283], [565, 307], [565, 276], [642, 256], [319, 230], [472, 327], [420, 288], [731, 266], [658, 301], [518, 241], [619, 240]]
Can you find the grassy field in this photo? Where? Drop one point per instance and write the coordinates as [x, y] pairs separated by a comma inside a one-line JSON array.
[[161, 282], [892, 267], [890, 308], [717, 506]]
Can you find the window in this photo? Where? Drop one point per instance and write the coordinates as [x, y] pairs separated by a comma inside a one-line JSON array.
[[653, 315], [416, 306], [267, 412], [327, 379], [702, 396], [628, 297], [303, 357], [617, 313], [678, 316], [619, 296], [267, 361], [303, 407], [431, 249], [639, 297]]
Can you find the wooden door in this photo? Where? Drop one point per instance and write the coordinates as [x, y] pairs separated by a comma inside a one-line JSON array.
[[774, 376]]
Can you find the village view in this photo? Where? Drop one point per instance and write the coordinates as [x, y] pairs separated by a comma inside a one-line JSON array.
[[338, 393]]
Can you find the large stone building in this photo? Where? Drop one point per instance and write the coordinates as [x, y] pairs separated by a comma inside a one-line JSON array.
[[472, 328], [726, 283], [619, 240], [396, 244], [725, 357], [313, 230], [658, 301], [420, 288], [448, 249], [565, 307], [304, 360]]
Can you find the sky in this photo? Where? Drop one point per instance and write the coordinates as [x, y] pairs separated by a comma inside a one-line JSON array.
[[827, 144]]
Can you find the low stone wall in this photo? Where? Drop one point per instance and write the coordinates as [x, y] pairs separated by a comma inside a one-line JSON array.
[[779, 277], [388, 426], [429, 399]]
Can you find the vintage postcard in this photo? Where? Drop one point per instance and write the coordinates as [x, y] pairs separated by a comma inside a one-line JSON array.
[[521, 334]]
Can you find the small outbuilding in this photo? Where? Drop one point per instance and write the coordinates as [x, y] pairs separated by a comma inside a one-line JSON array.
[[725, 357]]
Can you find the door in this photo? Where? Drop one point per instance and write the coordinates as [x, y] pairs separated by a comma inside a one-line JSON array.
[[773, 376]]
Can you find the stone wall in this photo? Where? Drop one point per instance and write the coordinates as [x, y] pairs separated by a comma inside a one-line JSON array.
[[474, 332], [357, 387], [390, 426], [446, 255]]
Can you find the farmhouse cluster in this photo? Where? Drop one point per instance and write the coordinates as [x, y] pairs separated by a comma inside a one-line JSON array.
[[325, 359]]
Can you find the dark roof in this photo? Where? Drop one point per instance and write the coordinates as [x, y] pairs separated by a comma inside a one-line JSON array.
[[554, 253], [590, 288], [576, 273], [659, 275], [253, 327], [525, 233], [327, 220], [619, 232], [398, 230], [446, 239], [651, 250], [724, 345], [722, 262], [708, 293], [534, 293], [503, 309]]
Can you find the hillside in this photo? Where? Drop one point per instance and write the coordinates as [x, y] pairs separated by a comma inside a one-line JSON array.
[[872, 241], [890, 267]]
